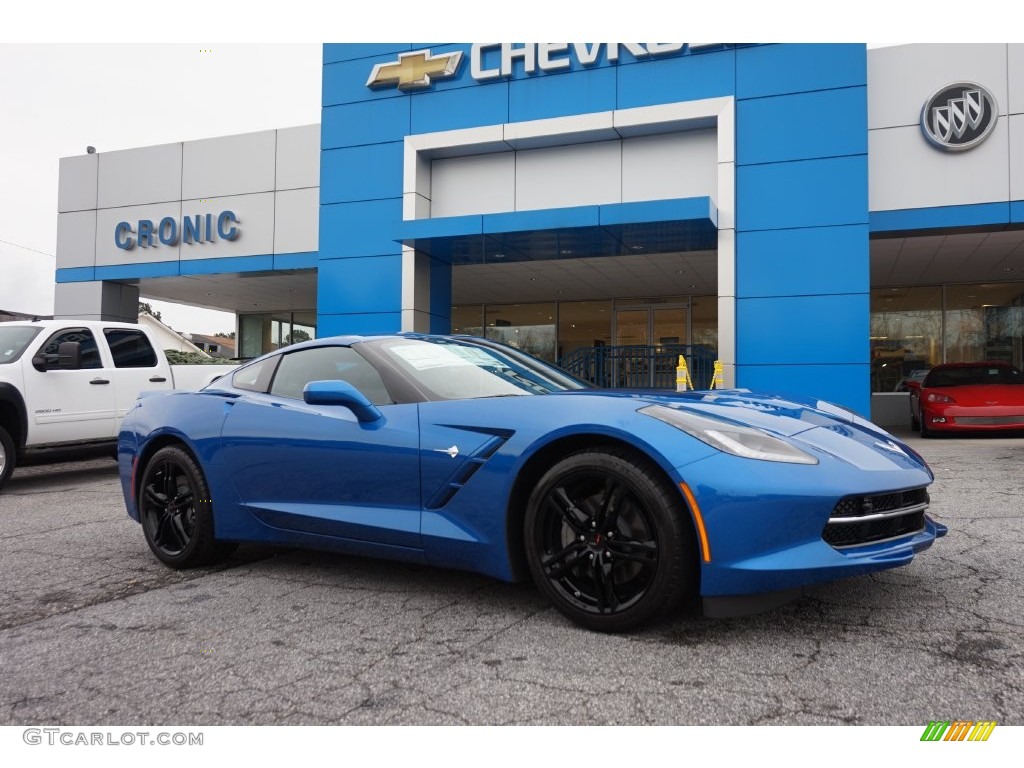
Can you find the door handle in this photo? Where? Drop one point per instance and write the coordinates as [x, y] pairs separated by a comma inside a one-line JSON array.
[[100, 381], [157, 379]]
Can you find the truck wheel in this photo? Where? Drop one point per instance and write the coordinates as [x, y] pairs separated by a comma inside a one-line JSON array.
[[6, 456]]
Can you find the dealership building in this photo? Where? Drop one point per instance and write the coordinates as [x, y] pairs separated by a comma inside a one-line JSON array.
[[820, 219]]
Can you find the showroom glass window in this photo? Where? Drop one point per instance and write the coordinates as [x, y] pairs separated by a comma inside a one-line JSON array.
[[529, 327]]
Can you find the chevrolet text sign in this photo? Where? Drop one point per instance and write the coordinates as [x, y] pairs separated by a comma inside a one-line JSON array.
[[489, 61]]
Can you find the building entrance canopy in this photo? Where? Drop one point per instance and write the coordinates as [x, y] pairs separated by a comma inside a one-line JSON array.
[[663, 226]]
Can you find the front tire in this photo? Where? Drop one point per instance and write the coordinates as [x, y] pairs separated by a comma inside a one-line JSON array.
[[608, 541], [176, 511], [7, 457]]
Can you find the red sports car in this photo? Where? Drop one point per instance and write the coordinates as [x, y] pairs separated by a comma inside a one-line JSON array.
[[968, 397]]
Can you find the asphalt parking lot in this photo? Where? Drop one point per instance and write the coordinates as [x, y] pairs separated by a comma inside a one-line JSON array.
[[94, 631]]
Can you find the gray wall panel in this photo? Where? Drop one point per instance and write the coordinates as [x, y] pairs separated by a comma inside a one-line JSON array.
[[905, 171], [229, 165], [76, 188], [298, 157], [670, 165], [297, 220], [1016, 123], [96, 301], [76, 239], [107, 253], [140, 176], [557, 177], [256, 226], [476, 184], [901, 78], [1015, 70]]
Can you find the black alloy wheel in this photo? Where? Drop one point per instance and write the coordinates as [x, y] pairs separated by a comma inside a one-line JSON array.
[[608, 541], [176, 511]]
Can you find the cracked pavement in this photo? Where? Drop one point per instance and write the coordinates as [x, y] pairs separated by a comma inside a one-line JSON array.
[[93, 630]]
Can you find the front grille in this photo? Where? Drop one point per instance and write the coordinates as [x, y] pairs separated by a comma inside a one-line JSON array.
[[857, 520], [991, 420], [858, 506]]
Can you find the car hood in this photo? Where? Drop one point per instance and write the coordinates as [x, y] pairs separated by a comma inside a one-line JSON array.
[[982, 395], [816, 424], [785, 416]]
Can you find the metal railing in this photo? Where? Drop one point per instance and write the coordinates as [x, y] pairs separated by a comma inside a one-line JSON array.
[[640, 367]]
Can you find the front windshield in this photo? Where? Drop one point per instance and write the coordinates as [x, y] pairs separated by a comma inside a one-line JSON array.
[[459, 369], [13, 340], [973, 374]]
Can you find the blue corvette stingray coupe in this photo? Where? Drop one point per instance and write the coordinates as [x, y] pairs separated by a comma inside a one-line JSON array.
[[464, 453]]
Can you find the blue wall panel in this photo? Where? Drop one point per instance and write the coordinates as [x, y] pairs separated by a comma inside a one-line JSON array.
[[807, 193], [302, 260], [801, 187], [801, 126], [557, 95], [359, 229], [371, 122], [372, 172], [347, 51], [76, 274], [679, 78], [803, 329], [367, 323], [132, 271], [368, 284], [840, 384], [445, 110], [803, 262], [226, 265], [345, 82], [770, 70], [942, 217]]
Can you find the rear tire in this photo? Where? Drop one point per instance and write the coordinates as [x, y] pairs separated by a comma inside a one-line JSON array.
[[608, 540], [176, 511], [7, 457]]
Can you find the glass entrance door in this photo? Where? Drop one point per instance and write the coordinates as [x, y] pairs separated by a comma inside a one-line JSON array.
[[646, 331]]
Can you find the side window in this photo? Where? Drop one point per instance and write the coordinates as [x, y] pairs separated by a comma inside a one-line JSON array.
[[90, 354], [255, 377], [328, 363], [131, 349]]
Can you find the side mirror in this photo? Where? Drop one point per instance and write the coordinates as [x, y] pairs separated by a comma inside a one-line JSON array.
[[69, 355], [337, 392]]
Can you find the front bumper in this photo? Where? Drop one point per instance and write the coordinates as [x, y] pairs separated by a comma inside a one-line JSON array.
[[766, 523], [956, 418]]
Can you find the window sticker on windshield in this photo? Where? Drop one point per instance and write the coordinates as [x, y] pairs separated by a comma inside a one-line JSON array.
[[425, 356]]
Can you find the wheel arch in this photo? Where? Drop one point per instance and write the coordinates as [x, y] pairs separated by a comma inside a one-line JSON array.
[[151, 447], [548, 454], [13, 416]]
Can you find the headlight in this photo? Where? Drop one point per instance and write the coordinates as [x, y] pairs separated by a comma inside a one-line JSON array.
[[729, 437]]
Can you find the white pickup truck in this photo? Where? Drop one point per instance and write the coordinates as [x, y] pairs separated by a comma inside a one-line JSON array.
[[66, 384]]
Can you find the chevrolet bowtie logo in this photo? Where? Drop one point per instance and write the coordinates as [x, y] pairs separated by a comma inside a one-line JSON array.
[[415, 70]]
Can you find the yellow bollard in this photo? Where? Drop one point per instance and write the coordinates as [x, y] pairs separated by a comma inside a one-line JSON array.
[[718, 377], [683, 381]]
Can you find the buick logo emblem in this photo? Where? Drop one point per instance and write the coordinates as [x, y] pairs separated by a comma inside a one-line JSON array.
[[959, 116]]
